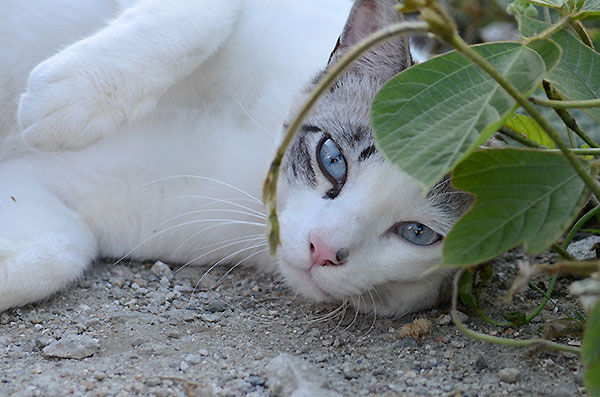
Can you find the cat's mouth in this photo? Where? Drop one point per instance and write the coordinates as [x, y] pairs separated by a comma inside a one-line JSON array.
[[305, 283]]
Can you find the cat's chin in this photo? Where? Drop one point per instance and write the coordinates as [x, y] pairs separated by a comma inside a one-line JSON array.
[[302, 282]]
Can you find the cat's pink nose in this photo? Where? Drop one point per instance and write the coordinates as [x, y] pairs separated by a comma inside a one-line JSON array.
[[323, 255]]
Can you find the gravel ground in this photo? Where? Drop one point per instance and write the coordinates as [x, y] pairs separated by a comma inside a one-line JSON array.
[[143, 329]]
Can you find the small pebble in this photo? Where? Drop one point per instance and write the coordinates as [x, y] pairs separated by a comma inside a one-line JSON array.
[[349, 372], [44, 341], [215, 306], [72, 346], [480, 364], [161, 270], [153, 382], [289, 375], [405, 342], [509, 375], [183, 366], [444, 319], [256, 381]]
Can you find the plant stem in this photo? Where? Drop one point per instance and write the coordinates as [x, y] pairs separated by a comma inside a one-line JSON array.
[[498, 340], [590, 103], [563, 254], [579, 152], [547, 18], [579, 224], [520, 138], [590, 231], [544, 301], [576, 163], [328, 79], [565, 116], [550, 30]]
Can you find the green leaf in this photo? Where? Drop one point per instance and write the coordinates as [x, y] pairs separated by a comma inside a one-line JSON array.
[[591, 8], [515, 318], [523, 196], [591, 352], [577, 76], [465, 289], [529, 27], [549, 3], [528, 127], [429, 116]]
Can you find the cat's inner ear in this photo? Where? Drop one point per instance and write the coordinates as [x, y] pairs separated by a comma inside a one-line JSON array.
[[362, 22], [366, 17]]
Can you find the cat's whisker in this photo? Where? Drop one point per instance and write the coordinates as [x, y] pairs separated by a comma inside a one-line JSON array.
[[259, 125], [343, 316], [218, 210], [223, 222], [199, 177], [196, 233], [239, 263], [233, 254], [340, 310], [248, 210], [238, 240], [326, 317], [230, 243], [374, 313], [355, 314]]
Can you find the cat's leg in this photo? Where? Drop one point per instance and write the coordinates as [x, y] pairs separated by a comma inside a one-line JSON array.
[[43, 245], [119, 74]]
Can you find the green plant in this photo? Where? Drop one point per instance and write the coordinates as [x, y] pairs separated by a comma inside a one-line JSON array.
[[433, 118]]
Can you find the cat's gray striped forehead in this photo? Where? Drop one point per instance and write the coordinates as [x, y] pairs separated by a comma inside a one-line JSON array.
[[342, 114]]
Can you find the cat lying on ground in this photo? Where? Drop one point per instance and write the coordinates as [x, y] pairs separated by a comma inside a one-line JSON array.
[[148, 127]]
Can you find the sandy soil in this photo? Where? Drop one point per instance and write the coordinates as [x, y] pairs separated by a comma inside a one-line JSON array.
[[148, 331]]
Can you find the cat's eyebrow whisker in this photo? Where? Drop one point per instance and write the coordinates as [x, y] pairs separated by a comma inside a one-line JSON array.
[[443, 182], [203, 178], [241, 105], [456, 192], [222, 222], [229, 244]]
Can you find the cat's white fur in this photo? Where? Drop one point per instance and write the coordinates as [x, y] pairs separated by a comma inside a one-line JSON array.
[[147, 96], [144, 128]]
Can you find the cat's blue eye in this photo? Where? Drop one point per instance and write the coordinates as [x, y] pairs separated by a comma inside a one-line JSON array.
[[331, 161], [416, 233]]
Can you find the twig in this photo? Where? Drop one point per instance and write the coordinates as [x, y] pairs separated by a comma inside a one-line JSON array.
[[588, 103], [520, 138], [565, 116], [495, 339]]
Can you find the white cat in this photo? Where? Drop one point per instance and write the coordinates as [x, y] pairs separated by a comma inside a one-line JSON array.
[[148, 127]]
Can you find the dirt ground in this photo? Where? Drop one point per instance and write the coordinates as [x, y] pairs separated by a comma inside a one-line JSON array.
[[149, 331]]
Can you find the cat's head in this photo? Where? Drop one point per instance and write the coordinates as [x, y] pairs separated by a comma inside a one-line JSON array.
[[353, 227]]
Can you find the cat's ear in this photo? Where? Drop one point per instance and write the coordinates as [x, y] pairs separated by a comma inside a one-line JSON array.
[[365, 18]]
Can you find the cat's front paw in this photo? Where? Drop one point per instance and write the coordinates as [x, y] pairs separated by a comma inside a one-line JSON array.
[[72, 100]]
